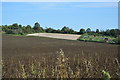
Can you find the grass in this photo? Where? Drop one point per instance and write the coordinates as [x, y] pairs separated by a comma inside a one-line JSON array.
[[15, 34]]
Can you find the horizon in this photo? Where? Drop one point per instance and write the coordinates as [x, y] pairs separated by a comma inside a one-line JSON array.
[[61, 27], [75, 15]]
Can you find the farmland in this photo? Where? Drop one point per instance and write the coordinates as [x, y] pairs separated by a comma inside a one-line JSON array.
[[56, 35], [41, 57]]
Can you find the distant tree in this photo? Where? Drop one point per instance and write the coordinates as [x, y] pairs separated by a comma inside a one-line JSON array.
[[97, 30], [88, 30], [4, 28], [111, 32], [107, 32], [28, 29], [67, 30], [58, 31], [14, 29], [20, 26], [50, 30], [114, 32], [82, 31], [71, 31], [24, 29], [9, 31], [53, 31], [37, 28], [15, 26]]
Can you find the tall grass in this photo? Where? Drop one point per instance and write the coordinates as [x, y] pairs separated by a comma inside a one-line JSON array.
[[60, 67]]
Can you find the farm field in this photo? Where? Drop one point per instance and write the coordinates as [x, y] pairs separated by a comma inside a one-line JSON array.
[[56, 35], [42, 57]]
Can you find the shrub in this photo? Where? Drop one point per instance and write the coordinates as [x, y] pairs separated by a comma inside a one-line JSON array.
[[117, 40]]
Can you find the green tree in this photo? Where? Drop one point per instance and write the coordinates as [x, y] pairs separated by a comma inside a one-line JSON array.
[[114, 32], [9, 31], [107, 32], [58, 31], [67, 30], [14, 29], [88, 30], [37, 28], [82, 31], [71, 31], [4, 28], [15, 26], [29, 29], [20, 26], [50, 30], [97, 31]]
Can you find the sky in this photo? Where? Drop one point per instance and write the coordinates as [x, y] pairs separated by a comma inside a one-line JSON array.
[[76, 15], [60, 0]]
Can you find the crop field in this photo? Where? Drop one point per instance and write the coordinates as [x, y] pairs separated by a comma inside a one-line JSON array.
[[41, 57]]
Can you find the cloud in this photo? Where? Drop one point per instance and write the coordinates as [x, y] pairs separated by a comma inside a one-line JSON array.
[[60, 0]]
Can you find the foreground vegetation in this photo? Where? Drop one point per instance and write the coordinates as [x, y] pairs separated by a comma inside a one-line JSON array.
[[36, 57], [61, 67]]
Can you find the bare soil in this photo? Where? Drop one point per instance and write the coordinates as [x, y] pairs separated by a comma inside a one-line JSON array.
[[55, 35]]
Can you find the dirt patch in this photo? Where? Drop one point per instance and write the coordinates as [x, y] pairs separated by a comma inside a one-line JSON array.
[[55, 35]]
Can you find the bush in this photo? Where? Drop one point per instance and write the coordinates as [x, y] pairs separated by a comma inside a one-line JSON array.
[[9, 32], [117, 40], [97, 38]]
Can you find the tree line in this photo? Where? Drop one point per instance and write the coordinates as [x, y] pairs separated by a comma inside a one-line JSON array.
[[19, 29]]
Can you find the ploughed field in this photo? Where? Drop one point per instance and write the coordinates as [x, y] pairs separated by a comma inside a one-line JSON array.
[[56, 35], [41, 57]]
